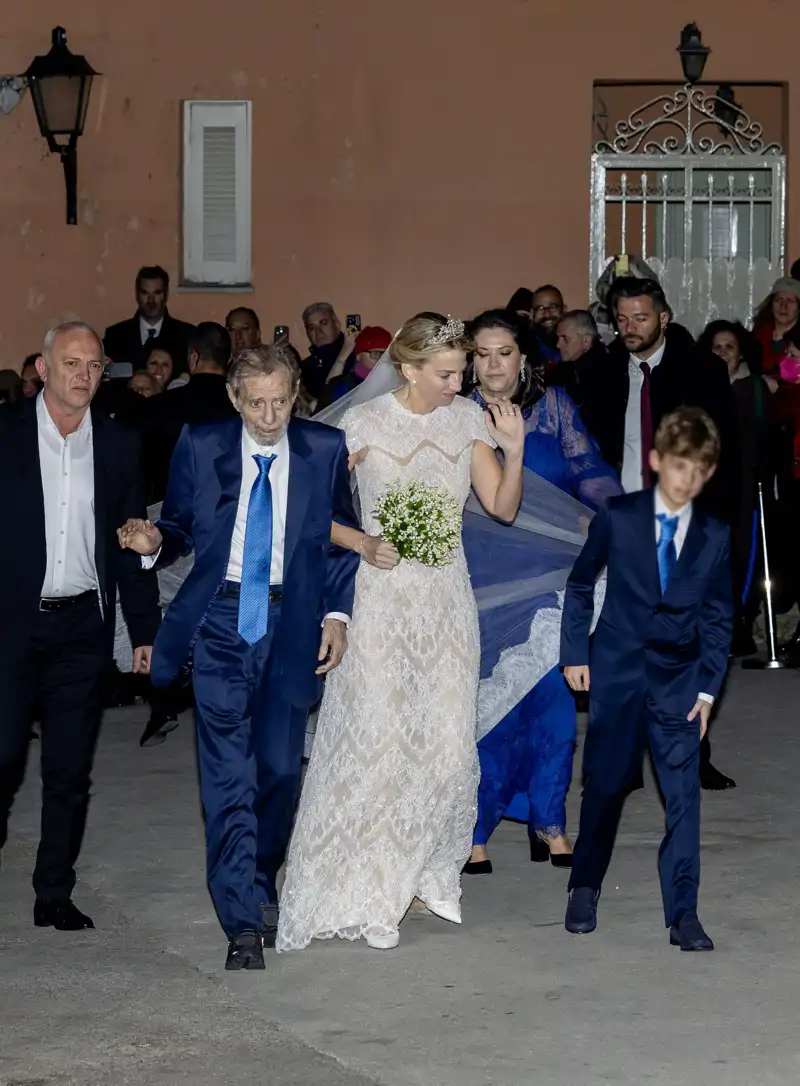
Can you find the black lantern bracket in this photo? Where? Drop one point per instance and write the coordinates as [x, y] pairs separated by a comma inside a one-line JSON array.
[[60, 84]]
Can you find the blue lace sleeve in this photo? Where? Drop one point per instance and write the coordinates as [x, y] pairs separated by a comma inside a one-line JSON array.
[[593, 481]]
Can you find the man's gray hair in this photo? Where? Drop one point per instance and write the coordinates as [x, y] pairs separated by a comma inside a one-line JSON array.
[[67, 326], [318, 307], [262, 362], [585, 324]]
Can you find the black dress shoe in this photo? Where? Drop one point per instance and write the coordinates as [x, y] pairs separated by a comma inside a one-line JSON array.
[[688, 934], [713, 781], [245, 951], [158, 728], [61, 915], [477, 867], [269, 925], [581, 915]]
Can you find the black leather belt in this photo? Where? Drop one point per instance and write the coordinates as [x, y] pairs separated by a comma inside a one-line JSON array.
[[60, 602], [234, 590]]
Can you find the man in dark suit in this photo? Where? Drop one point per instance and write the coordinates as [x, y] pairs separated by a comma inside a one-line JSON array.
[[254, 498], [653, 368], [151, 326], [204, 398], [72, 476], [656, 662]]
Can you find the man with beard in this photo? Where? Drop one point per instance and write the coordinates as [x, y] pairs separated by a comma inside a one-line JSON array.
[[548, 309], [254, 498], [652, 369]]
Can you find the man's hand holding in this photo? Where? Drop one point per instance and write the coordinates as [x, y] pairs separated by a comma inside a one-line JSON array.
[[141, 536]]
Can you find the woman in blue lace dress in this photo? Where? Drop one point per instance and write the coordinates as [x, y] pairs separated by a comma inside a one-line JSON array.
[[526, 758]]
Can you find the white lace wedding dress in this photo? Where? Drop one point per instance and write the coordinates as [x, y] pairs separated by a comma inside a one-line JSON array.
[[389, 801]]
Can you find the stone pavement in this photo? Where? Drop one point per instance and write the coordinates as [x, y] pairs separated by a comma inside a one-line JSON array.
[[507, 999]]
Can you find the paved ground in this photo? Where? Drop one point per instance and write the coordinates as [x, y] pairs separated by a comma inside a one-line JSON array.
[[508, 999]]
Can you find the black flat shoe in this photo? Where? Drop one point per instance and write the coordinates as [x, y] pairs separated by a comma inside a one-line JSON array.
[[61, 915], [540, 853], [158, 728], [477, 867], [713, 781], [245, 951]]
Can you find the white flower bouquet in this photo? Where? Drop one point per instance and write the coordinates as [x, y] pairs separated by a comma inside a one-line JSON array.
[[422, 521]]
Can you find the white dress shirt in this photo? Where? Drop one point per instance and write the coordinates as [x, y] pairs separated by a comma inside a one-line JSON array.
[[279, 481], [67, 469], [632, 452], [684, 515], [145, 328]]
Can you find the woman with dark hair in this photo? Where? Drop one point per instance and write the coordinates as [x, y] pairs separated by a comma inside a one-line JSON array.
[[775, 318], [526, 759], [741, 353]]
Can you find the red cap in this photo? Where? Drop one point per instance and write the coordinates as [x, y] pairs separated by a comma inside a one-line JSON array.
[[372, 338]]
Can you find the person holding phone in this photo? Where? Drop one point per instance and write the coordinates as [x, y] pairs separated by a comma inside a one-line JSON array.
[[356, 360], [327, 341]]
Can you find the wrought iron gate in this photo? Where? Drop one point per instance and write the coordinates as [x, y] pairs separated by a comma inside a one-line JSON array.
[[688, 184]]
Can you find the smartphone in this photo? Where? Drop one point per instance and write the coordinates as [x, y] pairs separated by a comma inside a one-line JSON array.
[[281, 333], [353, 322]]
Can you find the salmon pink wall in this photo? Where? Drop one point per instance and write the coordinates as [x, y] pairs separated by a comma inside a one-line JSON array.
[[425, 154]]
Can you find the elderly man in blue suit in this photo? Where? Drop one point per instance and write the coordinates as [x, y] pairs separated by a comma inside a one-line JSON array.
[[261, 617], [656, 663]]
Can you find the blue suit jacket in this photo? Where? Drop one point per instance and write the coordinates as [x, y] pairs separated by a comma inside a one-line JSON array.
[[199, 513], [664, 648]]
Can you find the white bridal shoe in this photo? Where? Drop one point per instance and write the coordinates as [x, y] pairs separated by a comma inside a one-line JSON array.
[[382, 938], [447, 910]]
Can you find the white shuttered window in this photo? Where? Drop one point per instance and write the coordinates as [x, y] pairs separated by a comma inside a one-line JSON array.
[[217, 152]]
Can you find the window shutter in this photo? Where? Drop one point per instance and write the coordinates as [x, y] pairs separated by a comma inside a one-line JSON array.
[[216, 193]]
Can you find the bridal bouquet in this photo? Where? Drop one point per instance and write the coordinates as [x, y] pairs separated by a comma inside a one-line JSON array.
[[423, 522]]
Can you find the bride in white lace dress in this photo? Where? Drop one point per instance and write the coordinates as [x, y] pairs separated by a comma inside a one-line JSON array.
[[389, 801]]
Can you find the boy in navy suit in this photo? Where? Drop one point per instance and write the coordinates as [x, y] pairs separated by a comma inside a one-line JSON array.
[[657, 661]]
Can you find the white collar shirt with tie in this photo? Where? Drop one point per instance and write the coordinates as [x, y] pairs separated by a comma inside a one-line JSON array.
[[279, 482], [684, 515], [631, 477], [145, 330]]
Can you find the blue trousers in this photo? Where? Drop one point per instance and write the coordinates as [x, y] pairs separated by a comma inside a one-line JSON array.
[[675, 747], [526, 762], [250, 749]]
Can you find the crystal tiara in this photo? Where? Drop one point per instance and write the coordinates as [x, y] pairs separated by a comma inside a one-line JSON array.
[[450, 330]]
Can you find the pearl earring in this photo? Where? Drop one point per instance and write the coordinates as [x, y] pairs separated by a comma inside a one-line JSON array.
[[413, 380]]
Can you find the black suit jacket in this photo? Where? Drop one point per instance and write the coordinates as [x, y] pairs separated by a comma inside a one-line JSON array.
[[204, 399], [681, 378], [118, 494], [123, 342]]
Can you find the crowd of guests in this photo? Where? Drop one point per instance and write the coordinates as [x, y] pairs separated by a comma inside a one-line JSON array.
[[162, 373]]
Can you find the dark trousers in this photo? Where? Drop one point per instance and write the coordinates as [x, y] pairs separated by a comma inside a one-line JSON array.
[[675, 749], [57, 680], [250, 748]]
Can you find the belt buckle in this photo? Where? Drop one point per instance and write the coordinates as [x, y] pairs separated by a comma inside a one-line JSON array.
[[44, 605]]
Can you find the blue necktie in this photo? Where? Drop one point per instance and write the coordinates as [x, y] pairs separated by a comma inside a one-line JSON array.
[[254, 595], [666, 552]]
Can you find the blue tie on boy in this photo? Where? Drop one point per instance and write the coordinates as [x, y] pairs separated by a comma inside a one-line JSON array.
[[657, 661]]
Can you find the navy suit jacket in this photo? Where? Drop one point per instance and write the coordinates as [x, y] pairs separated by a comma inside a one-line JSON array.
[[199, 513], [665, 649]]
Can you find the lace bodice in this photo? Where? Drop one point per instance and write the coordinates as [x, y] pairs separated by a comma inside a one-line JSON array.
[[403, 446]]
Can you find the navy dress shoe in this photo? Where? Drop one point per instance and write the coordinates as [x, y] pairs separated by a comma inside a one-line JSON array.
[[581, 915], [245, 951], [688, 934], [61, 915]]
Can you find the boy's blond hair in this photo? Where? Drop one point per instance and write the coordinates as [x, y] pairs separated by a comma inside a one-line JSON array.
[[689, 432]]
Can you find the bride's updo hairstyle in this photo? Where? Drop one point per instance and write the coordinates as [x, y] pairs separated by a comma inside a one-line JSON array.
[[425, 335]]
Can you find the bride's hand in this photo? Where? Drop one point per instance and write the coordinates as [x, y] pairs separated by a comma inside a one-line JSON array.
[[506, 426], [379, 552], [356, 457]]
